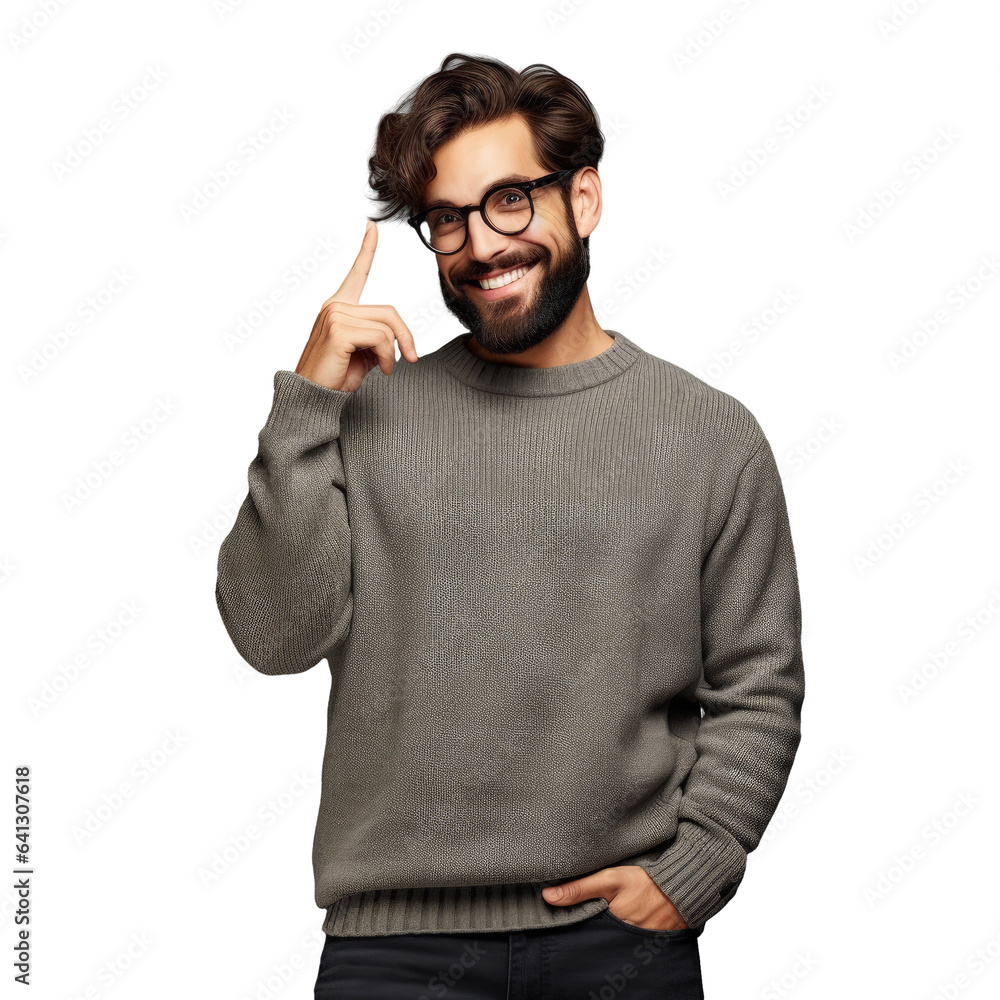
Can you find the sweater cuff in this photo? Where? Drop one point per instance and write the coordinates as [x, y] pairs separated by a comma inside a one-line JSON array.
[[305, 408], [698, 872]]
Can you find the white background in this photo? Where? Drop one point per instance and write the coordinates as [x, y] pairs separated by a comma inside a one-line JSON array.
[[889, 469]]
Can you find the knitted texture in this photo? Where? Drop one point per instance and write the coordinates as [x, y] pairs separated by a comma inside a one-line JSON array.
[[561, 615]]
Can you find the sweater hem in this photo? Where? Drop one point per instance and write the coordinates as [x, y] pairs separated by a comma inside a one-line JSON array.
[[481, 909], [469, 910]]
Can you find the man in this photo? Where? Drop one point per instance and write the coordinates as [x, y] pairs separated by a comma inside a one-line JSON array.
[[552, 575]]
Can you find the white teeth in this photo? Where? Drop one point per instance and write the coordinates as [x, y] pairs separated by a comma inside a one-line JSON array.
[[503, 279]]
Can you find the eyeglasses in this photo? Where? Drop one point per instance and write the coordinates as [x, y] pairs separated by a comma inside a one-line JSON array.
[[505, 208]]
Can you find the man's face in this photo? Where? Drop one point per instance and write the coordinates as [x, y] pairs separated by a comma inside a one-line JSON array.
[[523, 313]]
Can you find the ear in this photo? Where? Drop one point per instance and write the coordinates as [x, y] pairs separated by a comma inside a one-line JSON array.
[[586, 200]]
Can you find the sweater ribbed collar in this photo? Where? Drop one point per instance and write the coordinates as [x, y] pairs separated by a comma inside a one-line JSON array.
[[517, 380]]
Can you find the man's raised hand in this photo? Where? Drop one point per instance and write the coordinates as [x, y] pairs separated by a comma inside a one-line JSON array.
[[349, 339]]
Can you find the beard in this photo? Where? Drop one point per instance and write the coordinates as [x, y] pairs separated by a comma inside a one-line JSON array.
[[514, 324]]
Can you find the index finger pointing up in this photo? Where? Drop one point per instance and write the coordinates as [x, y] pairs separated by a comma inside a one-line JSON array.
[[352, 286]]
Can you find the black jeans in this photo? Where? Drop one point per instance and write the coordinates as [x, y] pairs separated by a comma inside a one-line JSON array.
[[598, 958]]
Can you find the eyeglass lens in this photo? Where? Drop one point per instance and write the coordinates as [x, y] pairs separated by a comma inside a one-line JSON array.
[[508, 209]]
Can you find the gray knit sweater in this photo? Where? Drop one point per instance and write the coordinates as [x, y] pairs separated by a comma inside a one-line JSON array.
[[561, 614]]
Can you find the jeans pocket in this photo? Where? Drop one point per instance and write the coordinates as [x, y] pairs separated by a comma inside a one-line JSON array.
[[676, 932]]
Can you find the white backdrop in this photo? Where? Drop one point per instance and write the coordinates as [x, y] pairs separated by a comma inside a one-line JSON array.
[[800, 207]]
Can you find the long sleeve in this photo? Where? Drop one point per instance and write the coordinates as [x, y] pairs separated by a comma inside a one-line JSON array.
[[751, 694], [284, 570]]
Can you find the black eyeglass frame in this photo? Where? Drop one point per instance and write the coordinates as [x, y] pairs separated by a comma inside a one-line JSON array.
[[525, 187]]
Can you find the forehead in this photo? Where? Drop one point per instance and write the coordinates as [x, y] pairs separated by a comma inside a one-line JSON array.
[[470, 162]]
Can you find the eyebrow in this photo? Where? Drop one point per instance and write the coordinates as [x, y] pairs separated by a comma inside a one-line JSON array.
[[507, 179]]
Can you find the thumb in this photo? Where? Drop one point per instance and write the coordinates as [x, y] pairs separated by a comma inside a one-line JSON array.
[[596, 886], [352, 286]]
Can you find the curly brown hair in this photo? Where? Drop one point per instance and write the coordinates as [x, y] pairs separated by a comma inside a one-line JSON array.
[[468, 91]]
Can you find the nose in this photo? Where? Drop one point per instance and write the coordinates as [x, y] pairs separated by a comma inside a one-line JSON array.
[[482, 242]]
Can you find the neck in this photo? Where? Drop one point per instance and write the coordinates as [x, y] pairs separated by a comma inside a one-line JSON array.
[[578, 338]]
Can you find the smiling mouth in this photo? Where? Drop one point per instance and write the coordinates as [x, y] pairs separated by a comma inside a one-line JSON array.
[[501, 279]]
